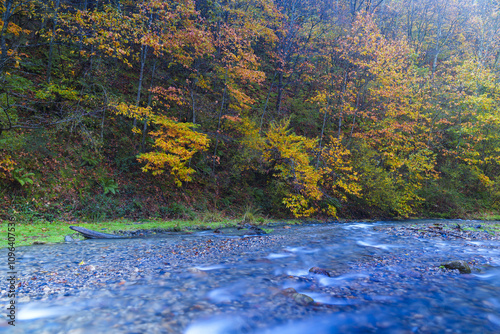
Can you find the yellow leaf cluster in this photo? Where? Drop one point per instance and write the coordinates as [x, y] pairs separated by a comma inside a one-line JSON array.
[[175, 144], [339, 176], [291, 157], [6, 166]]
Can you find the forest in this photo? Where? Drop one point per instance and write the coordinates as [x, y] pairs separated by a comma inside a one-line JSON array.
[[284, 108]]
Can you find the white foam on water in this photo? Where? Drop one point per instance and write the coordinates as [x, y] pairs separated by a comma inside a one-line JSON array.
[[212, 267], [273, 256], [381, 246], [358, 225], [335, 281], [297, 272], [494, 319], [325, 299], [301, 250], [487, 276], [221, 295], [39, 311], [476, 242], [216, 325]]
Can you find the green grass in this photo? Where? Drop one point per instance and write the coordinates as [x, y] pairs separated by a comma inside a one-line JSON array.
[[42, 231], [490, 217]]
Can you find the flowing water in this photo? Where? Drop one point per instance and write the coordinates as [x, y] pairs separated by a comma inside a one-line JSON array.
[[378, 283]]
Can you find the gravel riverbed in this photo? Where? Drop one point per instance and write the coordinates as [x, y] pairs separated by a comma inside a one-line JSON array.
[[322, 278]]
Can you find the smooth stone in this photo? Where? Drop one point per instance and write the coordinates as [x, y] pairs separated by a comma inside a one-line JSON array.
[[302, 299], [68, 239], [459, 265], [319, 271], [289, 291]]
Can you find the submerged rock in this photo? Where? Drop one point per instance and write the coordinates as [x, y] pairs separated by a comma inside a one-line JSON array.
[[299, 298], [257, 230], [289, 291], [302, 299], [459, 265], [319, 271]]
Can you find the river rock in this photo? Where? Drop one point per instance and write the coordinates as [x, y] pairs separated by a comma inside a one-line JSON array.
[[460, 265], [289, 291], [299, 298], [257, 230], [68, 239], [319, 271], [302, 299]]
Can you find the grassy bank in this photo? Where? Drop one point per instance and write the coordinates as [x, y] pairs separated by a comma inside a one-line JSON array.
[[45, 232], [33, 231]]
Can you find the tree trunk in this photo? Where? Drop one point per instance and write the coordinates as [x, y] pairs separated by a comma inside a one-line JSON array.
[[144, 52], [344, 86], [267, 102], [219, 122], [145, 125], [280, 92], [51, 45], [3, 43]]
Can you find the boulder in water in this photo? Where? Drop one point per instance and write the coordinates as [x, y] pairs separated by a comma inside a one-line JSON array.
[[460, 265], [289, 291], [302, 299], [299, 298], [319, 271]]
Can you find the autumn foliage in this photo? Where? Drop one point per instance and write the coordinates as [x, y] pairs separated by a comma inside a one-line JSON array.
[[302, 108]]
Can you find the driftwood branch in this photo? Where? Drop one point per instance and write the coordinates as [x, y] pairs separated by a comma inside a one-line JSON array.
[[90, 234]]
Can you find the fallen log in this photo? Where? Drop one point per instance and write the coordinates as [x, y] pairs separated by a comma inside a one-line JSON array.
[[90, 234]]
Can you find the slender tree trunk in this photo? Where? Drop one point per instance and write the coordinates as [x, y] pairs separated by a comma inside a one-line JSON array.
[[193, 106], [325, 117], [267, 102], [410, 22], [354, 119], [51, 45], [280, 92], [219, 122], [144, 52], [3, 42], [145, 125], [344, 86]]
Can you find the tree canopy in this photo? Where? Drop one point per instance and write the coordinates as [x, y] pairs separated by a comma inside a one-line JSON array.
[[298, 107]]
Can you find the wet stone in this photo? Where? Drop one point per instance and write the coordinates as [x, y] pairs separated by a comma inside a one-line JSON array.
[[460, 265], [302, 299], [319, 271], [289, 291]]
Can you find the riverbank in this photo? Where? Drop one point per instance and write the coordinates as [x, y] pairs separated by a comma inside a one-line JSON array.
[[44, 232], [41, 231]]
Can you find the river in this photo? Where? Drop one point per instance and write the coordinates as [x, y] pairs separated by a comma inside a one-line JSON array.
[[368, 281]]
